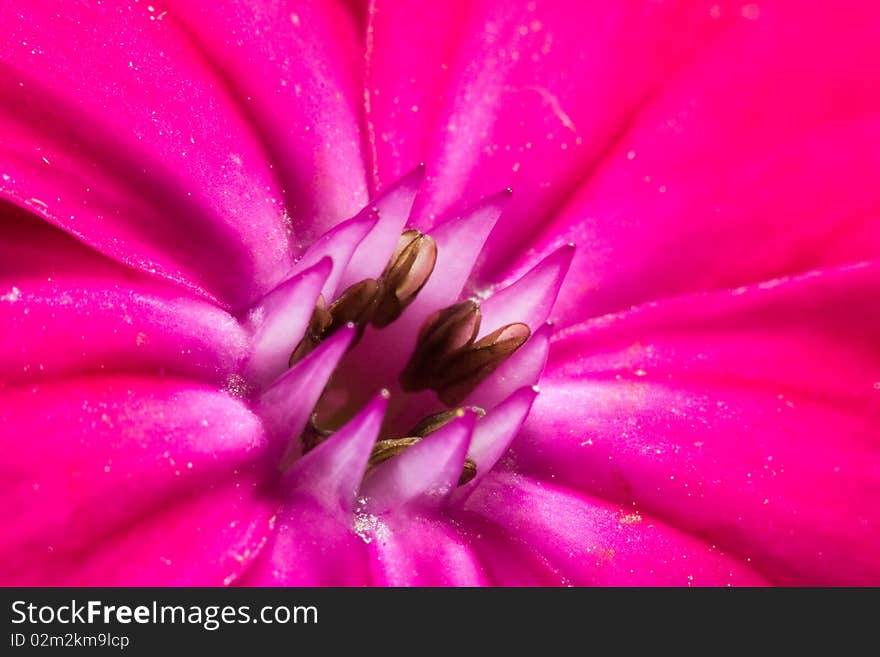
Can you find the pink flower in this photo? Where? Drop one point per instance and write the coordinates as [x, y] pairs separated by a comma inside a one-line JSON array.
[[174, 178]]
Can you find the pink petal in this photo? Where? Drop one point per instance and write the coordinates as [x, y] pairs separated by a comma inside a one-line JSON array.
[[287, 404], [332, 471], [146, 153], [206, 540], [293, 68], [505, 562], [522, 369], [460, 241], [744, 417], [74, 323], [65, 309], [419, 550], [595, 543], [279, 320], [339, 243], [528, 95], [494, 433], [424, 475], [315, 543], [394, 205], [753, 162], [310, 547], [406, 41], [530, 299], [32, 248], [91, 465]]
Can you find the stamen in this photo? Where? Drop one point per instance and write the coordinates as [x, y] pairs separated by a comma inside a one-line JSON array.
[[356, 305], [313, 435], [315, 332], [409, 268], [305, 403], [449, 361], [468, 472], [380, 301], [391, 447], [385, 449], [469, 367], [439, 420], [443, 334]]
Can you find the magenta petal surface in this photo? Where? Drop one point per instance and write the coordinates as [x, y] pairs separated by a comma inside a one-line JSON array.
[[310, 547], [591, 542], [31, 247], [181, 179], [286, 405], [208, 539], [731, 156], [338, 244], [423, 475], [494, 433], [744, 417], [530, 299], [165, 462], [315, 542], [72, 324], [747, 164], [487, 92], [393, 206], [278, 321], [332, 471], [420, 550], [292, 68], [150, 111]]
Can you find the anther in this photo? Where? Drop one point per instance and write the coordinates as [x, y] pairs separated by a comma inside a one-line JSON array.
[[442, 335], [385, 449], [377, 301], [313, 435], [391, 447], [469, 367], [355, 305], [448, 360], [321, 319], [409, 268], [439, 420]]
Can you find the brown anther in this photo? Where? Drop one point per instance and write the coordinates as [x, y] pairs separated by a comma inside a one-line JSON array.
[[468, 472], [313, 435], [391, 447], [449, 360], [466, 369], [439, 420], [355, 305], [377, 301], [318, 324], [385, 449], [443, 334], [409, 268], [406, 238]]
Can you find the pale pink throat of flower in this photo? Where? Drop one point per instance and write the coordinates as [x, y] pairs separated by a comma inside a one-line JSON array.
[[371, 323]]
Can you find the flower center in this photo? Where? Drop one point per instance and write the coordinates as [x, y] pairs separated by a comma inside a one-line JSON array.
[[448, 359]]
